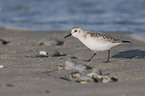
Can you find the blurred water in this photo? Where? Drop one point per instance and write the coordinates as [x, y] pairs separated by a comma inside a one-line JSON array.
[[99, 15]]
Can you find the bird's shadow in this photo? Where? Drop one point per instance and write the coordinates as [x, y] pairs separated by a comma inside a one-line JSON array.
[[130, 54]]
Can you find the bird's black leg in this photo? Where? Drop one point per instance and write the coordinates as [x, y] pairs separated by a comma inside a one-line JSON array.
[[90, 58], [108, 56]]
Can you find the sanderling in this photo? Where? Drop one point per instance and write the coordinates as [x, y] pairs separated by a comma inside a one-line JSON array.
[[95, 41]]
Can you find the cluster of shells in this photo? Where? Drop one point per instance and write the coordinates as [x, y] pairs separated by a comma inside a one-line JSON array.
[[84, 74]]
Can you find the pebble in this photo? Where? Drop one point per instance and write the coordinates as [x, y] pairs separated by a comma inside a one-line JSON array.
[[85, 74], [74, 65], [53, 53], [50, 41], [73, 57], [10, 85], [3, 42]]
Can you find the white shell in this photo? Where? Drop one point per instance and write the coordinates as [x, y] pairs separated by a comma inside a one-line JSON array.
[[2, 66], [104, 78], [43, 53]]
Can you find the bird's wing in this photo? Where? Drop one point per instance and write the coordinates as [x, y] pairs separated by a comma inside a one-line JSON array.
[[103, 36]]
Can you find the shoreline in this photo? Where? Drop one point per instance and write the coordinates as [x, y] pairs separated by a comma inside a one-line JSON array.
[[31, 76]]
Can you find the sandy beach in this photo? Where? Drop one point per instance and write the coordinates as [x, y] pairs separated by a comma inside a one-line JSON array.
[[24, 76]]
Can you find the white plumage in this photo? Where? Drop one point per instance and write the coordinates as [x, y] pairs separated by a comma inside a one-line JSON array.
[[95, 41]]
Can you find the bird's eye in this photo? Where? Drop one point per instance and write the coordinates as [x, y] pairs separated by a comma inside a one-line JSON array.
[[75, 30]]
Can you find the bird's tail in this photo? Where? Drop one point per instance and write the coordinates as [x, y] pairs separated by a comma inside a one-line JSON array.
[[126, 41]]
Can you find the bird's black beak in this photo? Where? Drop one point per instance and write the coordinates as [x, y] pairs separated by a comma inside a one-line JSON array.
[[68, 35]]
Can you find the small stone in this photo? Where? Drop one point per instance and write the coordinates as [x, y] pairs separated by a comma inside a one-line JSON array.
[[2, 66], [3, 42], [50, 41], [10, 85], [53, 53], [73, 57], [74, 65], [47, 91]]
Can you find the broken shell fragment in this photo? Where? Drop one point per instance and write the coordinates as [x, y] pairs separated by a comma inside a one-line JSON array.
[[84, 72], [94, 72], [74, 75], [78, 77], [97, 71], [104, 78]]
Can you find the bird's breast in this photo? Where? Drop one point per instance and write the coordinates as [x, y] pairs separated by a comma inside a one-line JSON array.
[[97, 44]]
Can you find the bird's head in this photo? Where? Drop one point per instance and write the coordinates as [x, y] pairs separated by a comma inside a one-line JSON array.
[[76, 31]]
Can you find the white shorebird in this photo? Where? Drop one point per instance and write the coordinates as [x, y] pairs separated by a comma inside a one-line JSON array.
[[95, 41]]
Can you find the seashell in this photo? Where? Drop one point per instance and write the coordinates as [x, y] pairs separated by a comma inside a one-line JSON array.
[[94, 72], [83, 82], [74, 65], [2, 66], [86, 78], [76, 76], [43, 53], [97, 71], [85, 75], [104, 78]]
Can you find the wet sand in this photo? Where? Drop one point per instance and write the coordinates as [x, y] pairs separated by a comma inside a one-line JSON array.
[[23, 76]]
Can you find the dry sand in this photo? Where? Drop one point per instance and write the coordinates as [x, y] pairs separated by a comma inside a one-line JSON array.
[[33, 77]]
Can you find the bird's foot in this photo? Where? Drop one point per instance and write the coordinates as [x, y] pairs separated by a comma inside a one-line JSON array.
[[106, 61]]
